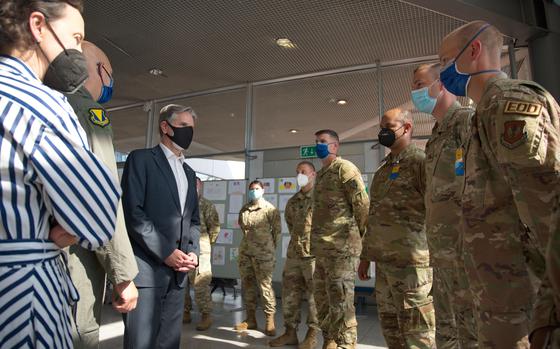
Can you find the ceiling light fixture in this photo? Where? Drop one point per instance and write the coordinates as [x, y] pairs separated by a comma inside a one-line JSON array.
[[341, 102], [285, 43], [156, 72], [293, 130]]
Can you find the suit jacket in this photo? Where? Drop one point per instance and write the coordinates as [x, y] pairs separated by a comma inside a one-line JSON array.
[[152, 211]]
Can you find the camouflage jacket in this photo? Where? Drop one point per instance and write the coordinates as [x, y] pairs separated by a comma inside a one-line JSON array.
[[209, 219], [260, 224], [444, 181], [298, 213], [512, 165], [395, 232], [340, 207]]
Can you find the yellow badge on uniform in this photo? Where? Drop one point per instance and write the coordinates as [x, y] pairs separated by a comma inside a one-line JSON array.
[[97, 117], [394, 172]]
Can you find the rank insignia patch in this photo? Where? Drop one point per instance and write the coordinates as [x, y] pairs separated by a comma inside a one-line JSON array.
[[514, 133], [97, 116]]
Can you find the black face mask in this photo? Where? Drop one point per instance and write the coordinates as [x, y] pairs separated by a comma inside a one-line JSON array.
[[68, 71], [182, 136], [387, 137]]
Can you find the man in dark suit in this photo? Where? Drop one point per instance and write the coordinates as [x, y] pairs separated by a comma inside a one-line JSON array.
[[161, 212]]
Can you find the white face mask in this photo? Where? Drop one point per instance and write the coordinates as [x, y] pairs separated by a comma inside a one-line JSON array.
[[302, 180]]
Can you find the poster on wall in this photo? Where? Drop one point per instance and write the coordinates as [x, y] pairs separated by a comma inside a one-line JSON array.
[[236, 187], [221, 208], [215, 190], [269, 185], [233, 254], [219, 255], [232, 222], [283, 201], [225, 237], [287, 185], [235, 203], [272, 198]]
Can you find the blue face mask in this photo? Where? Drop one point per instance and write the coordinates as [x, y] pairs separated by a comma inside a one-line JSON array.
[[322, 150], [106, 90], [423, 101], [255, 194], [455, 81]]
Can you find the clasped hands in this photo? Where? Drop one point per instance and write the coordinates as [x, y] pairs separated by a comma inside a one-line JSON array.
[[181, 261]]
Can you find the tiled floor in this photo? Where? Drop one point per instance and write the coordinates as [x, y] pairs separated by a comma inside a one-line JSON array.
[[221, 335]]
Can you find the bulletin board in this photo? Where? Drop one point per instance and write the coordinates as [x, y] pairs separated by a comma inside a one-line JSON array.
[[228, 197]]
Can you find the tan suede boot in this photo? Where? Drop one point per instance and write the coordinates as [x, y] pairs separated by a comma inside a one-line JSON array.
[[310, 341], [205, 322], [329, 344], [288, 338], [250, 323], [187, 317], [270, 329]]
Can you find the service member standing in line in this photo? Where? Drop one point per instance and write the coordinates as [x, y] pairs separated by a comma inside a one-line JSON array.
[[297, 279], [511, 169], [396, 239], [259, 221], [202, 275], [340, 208], [455, 324], [116, 259]]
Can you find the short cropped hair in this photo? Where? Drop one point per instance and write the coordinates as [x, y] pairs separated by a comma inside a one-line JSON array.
[[308, 163], [433, 68], [331, 133], [170, 111]]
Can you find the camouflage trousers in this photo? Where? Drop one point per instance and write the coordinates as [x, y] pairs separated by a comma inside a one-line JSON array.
[[500, 283], [405, 307], [256, 275], [201, 278], [333, 281], [297, 283], [455, 323]]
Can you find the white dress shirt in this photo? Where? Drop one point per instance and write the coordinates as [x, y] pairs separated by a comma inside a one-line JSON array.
[[176, 163]]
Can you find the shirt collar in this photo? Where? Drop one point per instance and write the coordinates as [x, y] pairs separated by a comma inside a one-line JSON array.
[[390, 159], [492, 81], [17, 66], [447, 118], [169, 154]]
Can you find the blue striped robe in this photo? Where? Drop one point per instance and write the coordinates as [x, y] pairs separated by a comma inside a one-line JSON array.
[[47, 174]]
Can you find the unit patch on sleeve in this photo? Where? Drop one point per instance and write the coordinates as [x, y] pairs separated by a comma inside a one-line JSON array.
[[522, 108], [97, 117], [514, 133]]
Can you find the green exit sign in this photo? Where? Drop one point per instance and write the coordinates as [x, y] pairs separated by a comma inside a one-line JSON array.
[[307, 151]]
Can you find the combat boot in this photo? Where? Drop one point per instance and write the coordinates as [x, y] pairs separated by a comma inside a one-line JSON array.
[[310, 341], [329, 344], [187, 317], [205, 322], [288, 338], [250, 323], [270, 329]]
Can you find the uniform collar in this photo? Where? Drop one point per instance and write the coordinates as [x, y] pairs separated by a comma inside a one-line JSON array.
[[256, 205], [492, 81], [409, 149], [336, 160], [447, 118], [169, 154], [301, 195], [18, 67]]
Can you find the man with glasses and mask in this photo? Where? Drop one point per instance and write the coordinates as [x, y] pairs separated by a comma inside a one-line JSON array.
[[55, 191], [511, 187], [340, 208], [396, 239], [116, 260], [455, 324], [160, 205]]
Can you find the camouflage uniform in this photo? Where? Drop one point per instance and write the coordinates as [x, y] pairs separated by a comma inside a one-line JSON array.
[[202, 276], [340, 207], [260, 224], [297, 279], [455, 324], [512, 167], [396, 241], [116, 260]]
